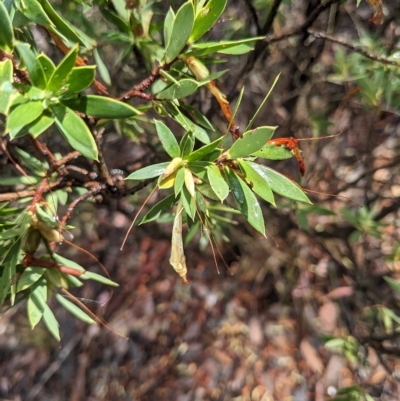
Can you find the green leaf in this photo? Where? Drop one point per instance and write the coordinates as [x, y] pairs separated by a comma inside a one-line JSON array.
[[246, 201], [101, 107], [206, 18], [203, 49], [47, 65], [32, 10], [40, 125], [183, 88], [6, 30], [29, 277], [61, 24], [148, 172], [37, 303], [51, 322], [188, 203], [66, 262], [179, 181], [97, 277], [168, 25], [394, 284], [103, 71], [273, 152], [180, 33], [199, 132], [23, 115], [6, 87], [186, 145], [7, 281], [217, 182], [168, 140], [80, 78], [257, 183], [158, 209], [34, 67], [205, 150], [76, 311], [251, 142], [62, 71], [279, 183], [198, 117], [75, 131]]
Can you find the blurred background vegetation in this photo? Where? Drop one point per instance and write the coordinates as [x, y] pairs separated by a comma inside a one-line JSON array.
[[312, 312]]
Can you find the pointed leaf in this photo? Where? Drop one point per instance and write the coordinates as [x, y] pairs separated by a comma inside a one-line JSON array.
[[23, 115], [101, 107], [205, 150], [32, 10], [181, 30], [75, 131], [103, 71], [51, 322], [206, 18], [186, 145], [47, 65], [152, 171], [217, 182], [246, 201], [183, 88], [75, 310], [251, 142], [279, 183], [62, 71], [80, 78], [6, 30], [168, 25], [188, 203], [37, 303], [273, 152], [40, 125], [179, 181], [29, 277], [167, 138], [158, 209], [97, 277], [34, 67], [257, 183], [6, 87]]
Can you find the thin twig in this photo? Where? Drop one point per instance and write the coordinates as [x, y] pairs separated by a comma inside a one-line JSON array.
[[354, 48]]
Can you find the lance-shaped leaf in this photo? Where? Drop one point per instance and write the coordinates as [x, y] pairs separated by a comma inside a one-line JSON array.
[[6, 87], [206, 18], [188, 202], [101, 107], [168, 140], [37, 303], [148, 172], [258, 184], [75, 310], [80, 78], [180, 33], [279, 183], [158, 209], [75, 131], [23, 115], [246, 201], [34, 67], [241, 46], [168, 25], [251, 142], [217, 182], [29, 277], [205, 150], [51, 322], [273, 152], [33, 10], [183, 88], [97, 277], [186, 145], [47, 65], [6, 31], [179, 180], [62, 71]]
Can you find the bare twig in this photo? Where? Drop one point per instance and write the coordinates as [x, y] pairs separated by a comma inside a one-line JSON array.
[[355, 48]]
